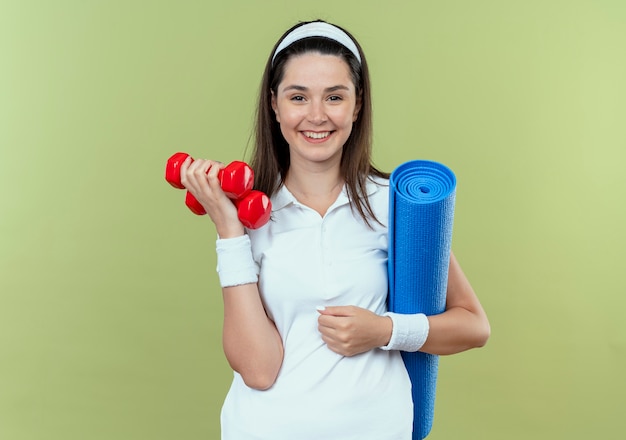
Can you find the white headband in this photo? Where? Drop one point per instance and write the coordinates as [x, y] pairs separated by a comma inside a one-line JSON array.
[[318, 29]]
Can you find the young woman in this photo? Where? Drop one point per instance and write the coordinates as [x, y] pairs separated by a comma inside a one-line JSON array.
[[306, 331]]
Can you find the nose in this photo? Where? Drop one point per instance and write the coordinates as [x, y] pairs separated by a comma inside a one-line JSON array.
[[317, 112]]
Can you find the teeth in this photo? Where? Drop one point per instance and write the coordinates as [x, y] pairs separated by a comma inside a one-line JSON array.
[[313, 135]]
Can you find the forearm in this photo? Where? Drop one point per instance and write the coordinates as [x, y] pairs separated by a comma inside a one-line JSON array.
[[464, 324], [252, 344], [456, 330]]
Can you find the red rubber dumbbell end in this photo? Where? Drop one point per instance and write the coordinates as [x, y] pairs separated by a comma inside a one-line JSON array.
[[236, 179], [172, 169], [193, 204], [254, 210]]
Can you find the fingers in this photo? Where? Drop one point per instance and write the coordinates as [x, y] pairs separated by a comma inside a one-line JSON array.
[[336, 310], [336, 331], [350, 330], [201, 178], [336, 340], [200, 173], [336, 318]]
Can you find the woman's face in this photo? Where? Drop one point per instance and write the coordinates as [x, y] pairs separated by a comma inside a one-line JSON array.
[[315, 105]]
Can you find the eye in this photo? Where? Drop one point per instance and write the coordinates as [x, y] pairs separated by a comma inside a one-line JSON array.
[[335, 98], [297, 98]]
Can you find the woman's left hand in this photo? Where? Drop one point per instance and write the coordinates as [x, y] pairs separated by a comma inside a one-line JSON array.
[[350, 330]]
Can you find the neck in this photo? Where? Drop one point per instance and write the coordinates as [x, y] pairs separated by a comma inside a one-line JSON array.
[[317, 189], [313, 185]]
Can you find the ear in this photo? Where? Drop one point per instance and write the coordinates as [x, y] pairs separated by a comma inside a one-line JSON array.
[[357, 107], [274, 106]]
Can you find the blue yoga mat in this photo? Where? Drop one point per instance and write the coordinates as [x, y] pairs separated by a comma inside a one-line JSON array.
[[421, 214]]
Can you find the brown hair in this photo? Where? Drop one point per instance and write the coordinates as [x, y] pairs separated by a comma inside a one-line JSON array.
[[271, 159]]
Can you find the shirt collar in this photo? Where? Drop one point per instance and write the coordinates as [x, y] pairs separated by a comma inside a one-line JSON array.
[[283, 197]]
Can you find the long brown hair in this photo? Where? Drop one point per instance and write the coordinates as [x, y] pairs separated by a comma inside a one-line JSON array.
[[271, 159]]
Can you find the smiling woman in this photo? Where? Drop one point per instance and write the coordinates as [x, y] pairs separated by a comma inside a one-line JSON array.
[[315, 352]]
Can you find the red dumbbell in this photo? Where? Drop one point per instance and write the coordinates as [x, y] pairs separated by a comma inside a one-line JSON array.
[[236, 180]]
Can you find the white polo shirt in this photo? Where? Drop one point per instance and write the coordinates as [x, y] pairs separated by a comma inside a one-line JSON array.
[[307, 261]]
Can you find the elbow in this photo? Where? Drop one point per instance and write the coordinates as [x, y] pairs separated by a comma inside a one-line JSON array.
[[483, 334], [258, 380], [257, 375], [258, 371]]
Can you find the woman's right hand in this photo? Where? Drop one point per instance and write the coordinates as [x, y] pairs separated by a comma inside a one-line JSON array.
[[200, 178]]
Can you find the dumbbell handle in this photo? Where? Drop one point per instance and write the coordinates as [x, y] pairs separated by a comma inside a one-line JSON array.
[[236, 180]]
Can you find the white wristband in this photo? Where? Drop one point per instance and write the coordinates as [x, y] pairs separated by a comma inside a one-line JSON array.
[[235, 265], [409, 332]]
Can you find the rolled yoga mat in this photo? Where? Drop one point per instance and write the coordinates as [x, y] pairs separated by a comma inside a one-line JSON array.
[[421, 213]]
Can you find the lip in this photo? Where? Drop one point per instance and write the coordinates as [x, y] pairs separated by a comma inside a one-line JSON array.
[[317, 140]]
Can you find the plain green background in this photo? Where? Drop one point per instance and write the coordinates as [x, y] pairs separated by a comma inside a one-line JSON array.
[[110, 312]]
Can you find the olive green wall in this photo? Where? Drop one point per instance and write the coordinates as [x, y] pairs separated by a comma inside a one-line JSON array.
[[110, 312]]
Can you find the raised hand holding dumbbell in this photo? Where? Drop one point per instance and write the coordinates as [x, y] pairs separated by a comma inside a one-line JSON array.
[[236, 180]]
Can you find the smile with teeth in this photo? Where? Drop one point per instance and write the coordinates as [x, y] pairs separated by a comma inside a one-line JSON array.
[[315, 135]]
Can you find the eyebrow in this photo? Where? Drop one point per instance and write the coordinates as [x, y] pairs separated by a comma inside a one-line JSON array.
[[326, 90]]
